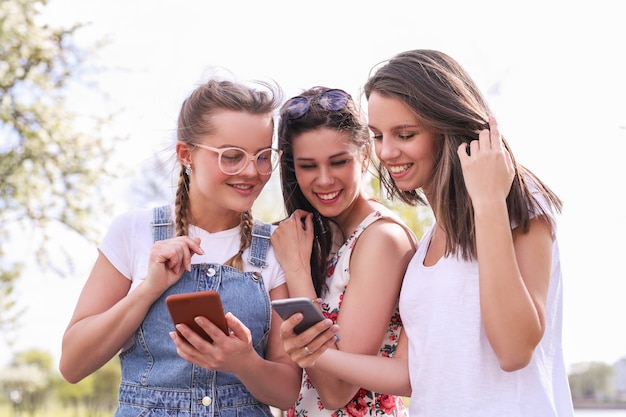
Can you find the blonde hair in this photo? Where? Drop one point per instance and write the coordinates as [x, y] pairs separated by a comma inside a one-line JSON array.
[[195, 120]]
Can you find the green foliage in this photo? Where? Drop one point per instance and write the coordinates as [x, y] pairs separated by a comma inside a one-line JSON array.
[[30, 383], [39, 358], [52, 159], [95, 394], [417, 218], [591, 381], [26, 382]]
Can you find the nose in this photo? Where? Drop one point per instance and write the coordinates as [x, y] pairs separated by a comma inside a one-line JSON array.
[[250, 168], [385, 150], [325, 176]]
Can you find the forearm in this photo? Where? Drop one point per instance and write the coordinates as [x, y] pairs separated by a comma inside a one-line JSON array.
[[334, 391], [511, 318], [276, 383], [375, 373], [92, 341]]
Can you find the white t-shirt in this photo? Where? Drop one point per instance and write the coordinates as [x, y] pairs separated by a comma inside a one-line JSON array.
[[453, 368], [129, 239]]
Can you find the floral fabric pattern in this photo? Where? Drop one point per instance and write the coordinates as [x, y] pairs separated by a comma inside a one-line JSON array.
[[364, 403]]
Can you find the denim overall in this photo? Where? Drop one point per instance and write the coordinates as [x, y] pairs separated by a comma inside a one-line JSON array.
[[158, 382]]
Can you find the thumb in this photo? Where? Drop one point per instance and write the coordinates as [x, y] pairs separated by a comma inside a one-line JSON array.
[[236, 326]]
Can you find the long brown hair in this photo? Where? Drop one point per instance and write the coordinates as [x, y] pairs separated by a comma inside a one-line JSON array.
[[447, 101]]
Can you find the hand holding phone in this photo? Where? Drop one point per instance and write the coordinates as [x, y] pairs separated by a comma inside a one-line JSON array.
[[286, 307], [185, 307]]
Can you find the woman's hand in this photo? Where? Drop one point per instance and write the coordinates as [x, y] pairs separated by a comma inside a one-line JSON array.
[[488, 169], [306, 347], [294, 232], [227, 353], [169, 259]]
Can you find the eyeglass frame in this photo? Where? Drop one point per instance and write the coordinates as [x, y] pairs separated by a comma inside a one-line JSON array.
[[249, 157], [309, 99]]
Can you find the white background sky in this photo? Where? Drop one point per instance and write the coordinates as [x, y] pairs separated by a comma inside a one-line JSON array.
[[560, 67]]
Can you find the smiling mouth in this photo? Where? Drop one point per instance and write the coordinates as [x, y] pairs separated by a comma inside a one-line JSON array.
[[399, 169], [328, 196], [242, 187]]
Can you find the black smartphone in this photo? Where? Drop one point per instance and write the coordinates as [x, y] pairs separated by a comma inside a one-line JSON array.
[[185, 307], [288, 306]]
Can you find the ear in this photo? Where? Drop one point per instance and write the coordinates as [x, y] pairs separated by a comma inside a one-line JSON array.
[[183, 153], [366, 159]]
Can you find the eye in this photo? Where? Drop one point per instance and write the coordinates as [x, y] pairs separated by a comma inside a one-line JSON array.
[[306, 166], [406, 136], [340, 162], [232, 155]]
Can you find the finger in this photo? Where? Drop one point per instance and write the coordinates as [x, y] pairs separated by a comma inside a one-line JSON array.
[[484, 140], [475, 145], [286, 328], [495, 137], [327, 338], [463, 151], [188, 336], [311, 352], [214, 332], [236, 326], [186, 257], [195, 246], [308, 222]]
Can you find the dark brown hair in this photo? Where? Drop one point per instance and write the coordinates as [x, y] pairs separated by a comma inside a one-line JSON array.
[[347, 119]]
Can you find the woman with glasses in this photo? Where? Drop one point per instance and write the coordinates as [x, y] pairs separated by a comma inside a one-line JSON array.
[[206, 240], [482, 298], [339, 247]]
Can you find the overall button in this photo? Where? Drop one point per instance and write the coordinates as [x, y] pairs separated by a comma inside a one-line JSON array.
[[207, 401], [210, 272]]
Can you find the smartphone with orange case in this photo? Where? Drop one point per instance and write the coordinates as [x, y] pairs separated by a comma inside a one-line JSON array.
[[185, 307]]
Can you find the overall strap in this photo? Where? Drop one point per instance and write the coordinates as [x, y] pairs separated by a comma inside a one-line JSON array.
[[261, 232], [162, 223]]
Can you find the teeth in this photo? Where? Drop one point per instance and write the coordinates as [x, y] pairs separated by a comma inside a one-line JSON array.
[[328, 196], [242, 187], [396, 169]]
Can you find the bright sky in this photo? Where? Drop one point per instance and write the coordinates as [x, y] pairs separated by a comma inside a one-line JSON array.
[[552, 71]]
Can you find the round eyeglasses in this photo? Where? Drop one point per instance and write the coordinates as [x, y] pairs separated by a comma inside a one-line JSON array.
[[233, 160], [331, 100]]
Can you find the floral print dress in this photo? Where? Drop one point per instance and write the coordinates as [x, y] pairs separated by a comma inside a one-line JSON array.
[[364, 403]]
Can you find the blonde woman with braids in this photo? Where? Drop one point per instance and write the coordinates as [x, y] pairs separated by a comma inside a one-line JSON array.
[[211, 242]]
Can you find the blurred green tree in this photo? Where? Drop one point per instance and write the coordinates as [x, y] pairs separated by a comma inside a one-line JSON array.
[[26, 381], [95, 395], [591, 381], [52, 158]]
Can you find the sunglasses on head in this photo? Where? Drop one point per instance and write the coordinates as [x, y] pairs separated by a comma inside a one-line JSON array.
[[331, 100]]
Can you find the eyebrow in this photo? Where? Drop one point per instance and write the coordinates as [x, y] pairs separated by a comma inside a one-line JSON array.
[[403, 126], [344, 153]]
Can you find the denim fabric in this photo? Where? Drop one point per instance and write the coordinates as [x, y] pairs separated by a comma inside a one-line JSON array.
[[158, 382]]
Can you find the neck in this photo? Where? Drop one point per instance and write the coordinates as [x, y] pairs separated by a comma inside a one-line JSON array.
[[212, 222]]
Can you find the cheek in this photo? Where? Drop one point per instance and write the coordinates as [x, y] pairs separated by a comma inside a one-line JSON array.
[[301, 178], [378, 147], [265, 178]]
